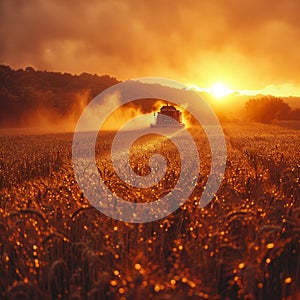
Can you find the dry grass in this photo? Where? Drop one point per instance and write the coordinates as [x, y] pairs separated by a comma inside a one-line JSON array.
[[244, 245]]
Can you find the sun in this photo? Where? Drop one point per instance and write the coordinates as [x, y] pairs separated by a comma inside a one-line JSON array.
[[220, 90]]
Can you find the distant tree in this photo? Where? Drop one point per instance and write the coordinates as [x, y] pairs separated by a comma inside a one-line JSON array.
[[29, 69], [295, 114], [267, 109]]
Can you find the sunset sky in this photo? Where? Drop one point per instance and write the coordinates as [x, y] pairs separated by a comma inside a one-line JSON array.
[[246, 45]]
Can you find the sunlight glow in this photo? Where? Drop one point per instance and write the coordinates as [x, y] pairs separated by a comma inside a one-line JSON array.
[[220, 90]]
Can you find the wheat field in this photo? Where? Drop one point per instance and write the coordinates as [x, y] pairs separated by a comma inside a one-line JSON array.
[[244, 245]]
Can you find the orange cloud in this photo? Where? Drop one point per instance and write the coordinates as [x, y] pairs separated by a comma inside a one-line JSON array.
[[251, 43]]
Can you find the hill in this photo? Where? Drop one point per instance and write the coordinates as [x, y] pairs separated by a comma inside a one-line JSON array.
[[42, 99], [34, 98]]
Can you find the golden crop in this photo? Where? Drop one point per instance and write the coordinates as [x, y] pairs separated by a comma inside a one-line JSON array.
[[244, 245]]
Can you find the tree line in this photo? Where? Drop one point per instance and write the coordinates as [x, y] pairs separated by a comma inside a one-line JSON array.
[[23, 92], [269, 108], [26, 93]]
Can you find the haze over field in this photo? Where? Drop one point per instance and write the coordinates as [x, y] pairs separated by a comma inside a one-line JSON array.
[[50, 101]]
